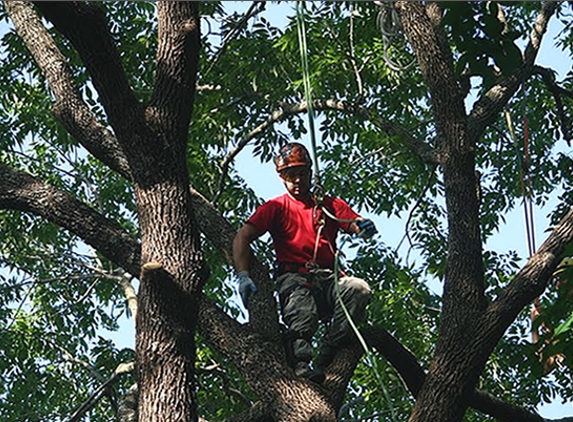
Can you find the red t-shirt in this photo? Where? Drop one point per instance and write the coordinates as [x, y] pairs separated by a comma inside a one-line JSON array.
[[293, 227]]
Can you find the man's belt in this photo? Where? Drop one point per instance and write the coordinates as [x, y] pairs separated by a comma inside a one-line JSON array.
[[291, 267]]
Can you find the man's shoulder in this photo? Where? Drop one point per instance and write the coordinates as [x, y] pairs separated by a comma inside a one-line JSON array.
[[276, 202], [281, 199]]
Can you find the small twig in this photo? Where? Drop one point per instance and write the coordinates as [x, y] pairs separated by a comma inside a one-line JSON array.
[[73, 359], [122, 369], [216, 369], [256, 8], [88, 290], [416, 205], [352, 55], [19, 308]]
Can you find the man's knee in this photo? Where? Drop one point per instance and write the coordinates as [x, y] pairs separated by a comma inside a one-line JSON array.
[[357, 287]]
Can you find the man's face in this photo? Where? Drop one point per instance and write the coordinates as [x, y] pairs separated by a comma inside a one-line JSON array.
[[297, 180]]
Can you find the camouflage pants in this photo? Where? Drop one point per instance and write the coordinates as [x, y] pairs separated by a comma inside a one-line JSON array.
[[307, 298]]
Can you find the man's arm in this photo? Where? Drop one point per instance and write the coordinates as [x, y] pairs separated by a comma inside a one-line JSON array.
[[242, 246], [242, 257]]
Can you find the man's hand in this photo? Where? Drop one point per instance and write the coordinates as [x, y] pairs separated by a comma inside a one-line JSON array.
[[246, 286], [367, 228]]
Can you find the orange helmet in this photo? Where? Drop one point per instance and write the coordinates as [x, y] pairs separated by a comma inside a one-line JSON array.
[[292, 154]]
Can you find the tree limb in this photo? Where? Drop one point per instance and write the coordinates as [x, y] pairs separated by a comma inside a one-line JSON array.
[[177, 61], [99, 392], [85, 25], [20, 191], [69, 107], [414, 376], [529, 283], [487, 108]]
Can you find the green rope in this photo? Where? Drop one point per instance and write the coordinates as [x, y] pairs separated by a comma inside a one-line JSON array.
[[369, 356], [301, 30]]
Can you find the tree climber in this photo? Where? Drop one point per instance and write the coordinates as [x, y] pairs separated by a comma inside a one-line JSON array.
[[304, 230]]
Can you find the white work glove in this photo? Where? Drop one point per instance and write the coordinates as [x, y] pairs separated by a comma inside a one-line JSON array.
[[247, 286]]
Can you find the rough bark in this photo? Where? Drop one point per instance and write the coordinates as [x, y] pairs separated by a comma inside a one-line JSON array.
[[445, 389], [154, 141], [467, 333]]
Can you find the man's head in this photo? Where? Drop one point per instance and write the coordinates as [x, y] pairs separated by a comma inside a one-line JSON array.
[[293, 164]]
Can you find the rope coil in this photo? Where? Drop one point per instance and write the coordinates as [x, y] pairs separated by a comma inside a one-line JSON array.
[[390, 26]]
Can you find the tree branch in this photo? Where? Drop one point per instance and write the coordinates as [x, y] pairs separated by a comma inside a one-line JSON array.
[[177, 60], [414, 376], [99, 392], [255, 8], [20, 191], [262, 306], [486, 109], [85, 25], [529, 283], [69, 107]]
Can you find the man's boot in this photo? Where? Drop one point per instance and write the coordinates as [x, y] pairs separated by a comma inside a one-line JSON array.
[[325, 356]]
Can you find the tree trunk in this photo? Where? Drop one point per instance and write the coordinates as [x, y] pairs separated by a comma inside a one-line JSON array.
[[154, 142], [462, 348]]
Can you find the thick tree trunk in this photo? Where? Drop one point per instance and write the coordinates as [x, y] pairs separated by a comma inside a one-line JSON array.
[[167, 316], [462, 348], [173, 271], [153, 140]]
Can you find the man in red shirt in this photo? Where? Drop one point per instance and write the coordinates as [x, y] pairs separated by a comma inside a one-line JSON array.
[[304, 238]]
